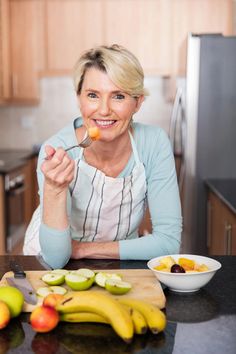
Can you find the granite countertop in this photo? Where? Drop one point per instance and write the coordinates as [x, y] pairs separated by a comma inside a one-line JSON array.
[[198, 323], [12, 159], [225, 189]]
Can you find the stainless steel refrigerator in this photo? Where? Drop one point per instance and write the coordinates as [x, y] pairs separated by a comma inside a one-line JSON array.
[[209, 129]]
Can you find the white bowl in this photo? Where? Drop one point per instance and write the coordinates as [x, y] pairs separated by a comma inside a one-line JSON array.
[[185, 282]]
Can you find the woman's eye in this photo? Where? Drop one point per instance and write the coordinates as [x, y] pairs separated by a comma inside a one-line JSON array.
[[92, 95], [119, 96]]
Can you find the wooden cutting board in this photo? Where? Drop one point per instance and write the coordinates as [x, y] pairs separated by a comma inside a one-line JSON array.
[[145, 285]]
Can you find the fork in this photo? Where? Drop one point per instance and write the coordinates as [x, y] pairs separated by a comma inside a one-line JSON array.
[[84, 143]]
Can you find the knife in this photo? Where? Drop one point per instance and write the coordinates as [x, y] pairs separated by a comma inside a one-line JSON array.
[[20, 281]]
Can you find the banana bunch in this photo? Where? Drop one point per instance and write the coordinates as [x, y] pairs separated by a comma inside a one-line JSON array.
[[126, 315]]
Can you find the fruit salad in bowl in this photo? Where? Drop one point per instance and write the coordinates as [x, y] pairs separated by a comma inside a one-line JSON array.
[[184, 272]]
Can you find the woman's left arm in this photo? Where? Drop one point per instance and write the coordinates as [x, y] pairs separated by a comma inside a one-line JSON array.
[[95, 250], [164, 205]]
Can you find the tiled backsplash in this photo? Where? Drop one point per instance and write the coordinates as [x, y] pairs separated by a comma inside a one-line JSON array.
[[23, 127]]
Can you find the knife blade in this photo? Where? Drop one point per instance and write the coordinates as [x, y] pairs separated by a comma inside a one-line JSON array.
[[22, 283]]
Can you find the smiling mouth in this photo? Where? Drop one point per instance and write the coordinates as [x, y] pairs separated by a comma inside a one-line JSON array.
[[105, 123]]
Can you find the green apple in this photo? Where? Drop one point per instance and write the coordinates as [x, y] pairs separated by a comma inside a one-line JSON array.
[[43, 291], [13, 298], [78, 282], [53, 278], [58, 290], [60, 271], [102, 277], [117, 287], [85, 272]]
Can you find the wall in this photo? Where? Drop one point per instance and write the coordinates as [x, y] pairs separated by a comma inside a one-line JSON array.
[[23, 127]]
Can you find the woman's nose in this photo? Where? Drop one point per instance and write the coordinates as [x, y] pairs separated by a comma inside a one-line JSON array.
[[104, 106]]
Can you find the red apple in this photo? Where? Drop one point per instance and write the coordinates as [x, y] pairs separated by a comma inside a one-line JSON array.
[[52, 300], [44, 319]]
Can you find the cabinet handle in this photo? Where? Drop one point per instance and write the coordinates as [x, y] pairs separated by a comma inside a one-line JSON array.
[[209, 209], [228, 239]]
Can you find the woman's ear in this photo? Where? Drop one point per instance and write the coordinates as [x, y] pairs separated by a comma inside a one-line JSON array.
[[139, 101]]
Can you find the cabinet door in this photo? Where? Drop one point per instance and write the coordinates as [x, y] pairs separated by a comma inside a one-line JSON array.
[[229, 230], [2, 216], [221, 222], [71, 27], [157, 30], [31, 191], [144, 27], [4, 51], [24, 48], [200, 16], [215, 225]]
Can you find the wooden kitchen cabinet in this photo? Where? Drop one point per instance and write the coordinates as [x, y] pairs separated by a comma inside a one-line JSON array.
[[31, 193], [157, 30], [21, 36], [221, 224], [25, 49], [45, 37], [196, 16], [154, 30], [71, 27], [4, 51], [2, 216], [144, 27]]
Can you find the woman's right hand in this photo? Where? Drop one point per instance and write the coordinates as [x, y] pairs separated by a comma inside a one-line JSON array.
[[58, 168]]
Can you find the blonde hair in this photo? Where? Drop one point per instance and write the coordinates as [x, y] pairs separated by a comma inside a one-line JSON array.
[[122, 67]]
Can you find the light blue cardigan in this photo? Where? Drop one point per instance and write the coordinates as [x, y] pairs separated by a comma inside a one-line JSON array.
[[155, 152]]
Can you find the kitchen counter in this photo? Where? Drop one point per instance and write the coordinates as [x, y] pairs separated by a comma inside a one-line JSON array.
[[202, 322], [225, 189], [12, 159]]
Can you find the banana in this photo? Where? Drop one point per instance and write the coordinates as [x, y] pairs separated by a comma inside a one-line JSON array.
[[101, 304], [139, 322], [155, 318], [83, 317]]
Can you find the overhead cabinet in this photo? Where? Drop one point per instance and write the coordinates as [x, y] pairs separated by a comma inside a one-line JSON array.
[[45, 37], [70, 28], [4, 51], [24, 49], [20, 49], [154, 30]]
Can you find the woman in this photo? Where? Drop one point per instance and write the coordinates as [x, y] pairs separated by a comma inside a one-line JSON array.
[[93, 200]]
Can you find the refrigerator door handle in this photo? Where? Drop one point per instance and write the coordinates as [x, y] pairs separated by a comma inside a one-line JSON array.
[[174, 118]]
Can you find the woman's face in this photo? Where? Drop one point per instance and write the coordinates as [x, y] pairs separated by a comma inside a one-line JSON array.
[[104, 105]]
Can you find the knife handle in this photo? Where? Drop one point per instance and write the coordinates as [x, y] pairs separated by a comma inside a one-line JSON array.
[[17, 270]]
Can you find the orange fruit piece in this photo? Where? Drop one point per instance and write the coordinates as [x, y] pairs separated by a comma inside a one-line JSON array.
[[94, 133], [186, 263]]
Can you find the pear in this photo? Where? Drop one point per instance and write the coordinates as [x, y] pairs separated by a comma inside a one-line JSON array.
[[117, 287], [53, 278]]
